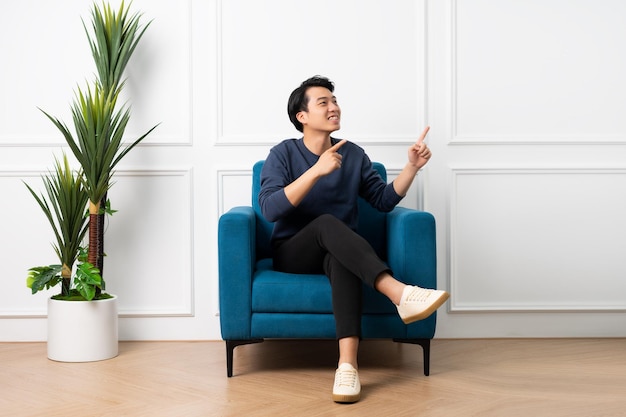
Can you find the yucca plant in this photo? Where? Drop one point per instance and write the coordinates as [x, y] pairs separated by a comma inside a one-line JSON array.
[[99, 123], [64, 206]]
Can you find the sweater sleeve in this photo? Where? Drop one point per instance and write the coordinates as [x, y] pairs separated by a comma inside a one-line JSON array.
[[274, 178], [374, 190]]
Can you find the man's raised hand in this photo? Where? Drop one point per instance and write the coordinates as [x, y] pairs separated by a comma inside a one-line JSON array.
[[330, 160], [419, 154]]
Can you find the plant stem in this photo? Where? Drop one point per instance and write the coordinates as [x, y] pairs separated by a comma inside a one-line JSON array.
[[100, 264], [94, 233], [66, 281]]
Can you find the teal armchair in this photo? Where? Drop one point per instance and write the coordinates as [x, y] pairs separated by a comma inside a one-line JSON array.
[[258, 303]]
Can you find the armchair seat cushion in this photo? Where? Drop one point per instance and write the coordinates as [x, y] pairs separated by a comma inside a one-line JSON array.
[[279, 292]]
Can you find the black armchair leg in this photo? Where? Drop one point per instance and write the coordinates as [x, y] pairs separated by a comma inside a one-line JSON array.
[[230, 347], [425, 344]]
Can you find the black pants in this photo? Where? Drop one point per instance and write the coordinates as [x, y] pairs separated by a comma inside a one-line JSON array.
[[328, 246]]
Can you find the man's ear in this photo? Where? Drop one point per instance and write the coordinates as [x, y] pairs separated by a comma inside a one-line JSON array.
[[301, 116]]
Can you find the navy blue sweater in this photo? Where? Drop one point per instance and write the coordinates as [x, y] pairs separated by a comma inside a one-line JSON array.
[[336, 193]]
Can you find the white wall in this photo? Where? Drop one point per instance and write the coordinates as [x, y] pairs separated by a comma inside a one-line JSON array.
[[525, 100]]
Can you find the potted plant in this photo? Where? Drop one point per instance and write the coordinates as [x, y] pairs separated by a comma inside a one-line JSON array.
[[64, 205], [97, 143]]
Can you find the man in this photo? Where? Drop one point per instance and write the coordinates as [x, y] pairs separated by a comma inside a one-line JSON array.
[[310, 188]]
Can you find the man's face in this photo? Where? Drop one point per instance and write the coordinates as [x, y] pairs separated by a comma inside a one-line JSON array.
[[323, 112]]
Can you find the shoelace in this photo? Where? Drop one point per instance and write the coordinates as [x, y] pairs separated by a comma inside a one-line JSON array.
[[418, 294], [346, 378]]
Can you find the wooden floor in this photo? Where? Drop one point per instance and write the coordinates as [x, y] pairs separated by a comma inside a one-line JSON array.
[[504, 378]]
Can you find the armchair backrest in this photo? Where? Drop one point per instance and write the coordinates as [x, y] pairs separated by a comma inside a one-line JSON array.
[[372, 223]]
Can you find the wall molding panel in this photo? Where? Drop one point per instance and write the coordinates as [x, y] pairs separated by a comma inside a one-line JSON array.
[[140, 282], [164, 53], [504, 221], [234, 189], [353, 47], [524, 87]]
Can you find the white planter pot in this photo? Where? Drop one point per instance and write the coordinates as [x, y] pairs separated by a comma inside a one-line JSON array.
[[82, 331]]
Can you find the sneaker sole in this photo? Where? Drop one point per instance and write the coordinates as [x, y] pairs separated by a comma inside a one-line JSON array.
[[430, 310], [343, 398]]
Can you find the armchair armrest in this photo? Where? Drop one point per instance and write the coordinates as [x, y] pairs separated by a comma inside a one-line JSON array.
[[411, 246], [237, 257]]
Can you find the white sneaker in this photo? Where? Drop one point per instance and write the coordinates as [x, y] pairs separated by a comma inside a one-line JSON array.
[[418, 303], [347, 388]]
